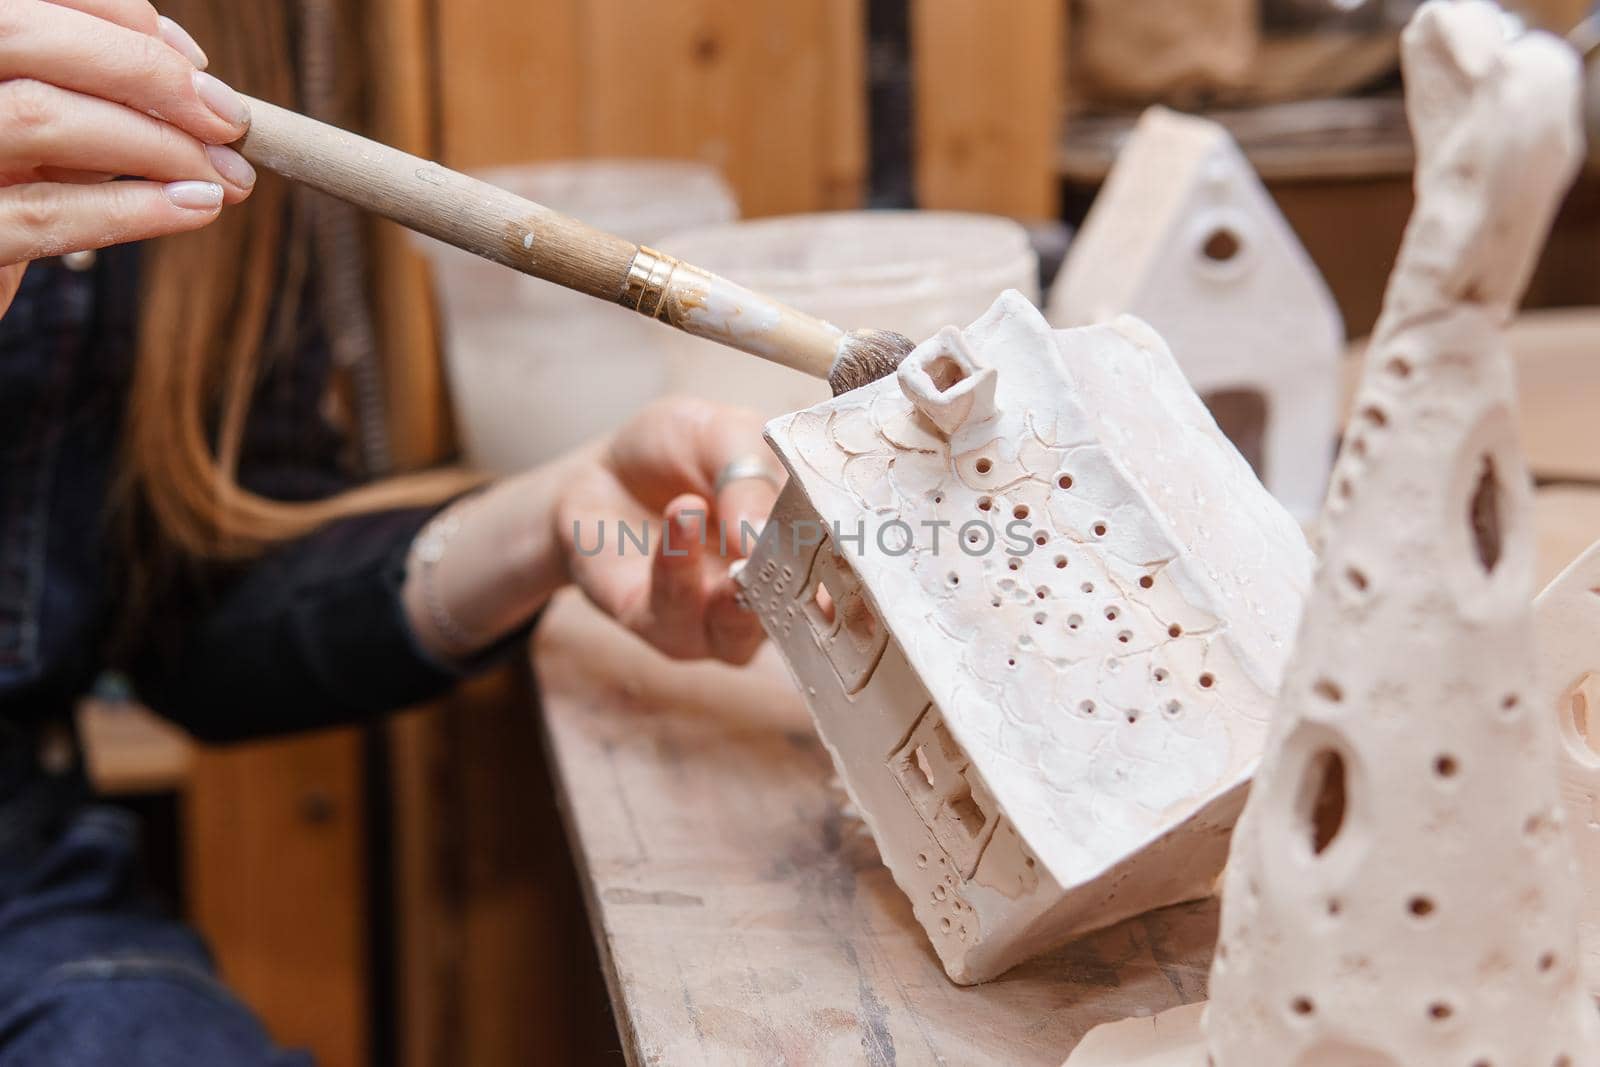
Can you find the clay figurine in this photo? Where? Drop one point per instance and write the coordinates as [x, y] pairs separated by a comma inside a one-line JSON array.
[[1039, 607], [1401, 889]]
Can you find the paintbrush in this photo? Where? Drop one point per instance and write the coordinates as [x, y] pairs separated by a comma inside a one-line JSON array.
[[487, 221]]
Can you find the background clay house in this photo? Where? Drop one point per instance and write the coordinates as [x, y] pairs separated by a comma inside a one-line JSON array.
[[1186, 237]]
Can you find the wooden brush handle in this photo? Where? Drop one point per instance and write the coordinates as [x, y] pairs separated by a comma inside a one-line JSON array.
[[488, 221]]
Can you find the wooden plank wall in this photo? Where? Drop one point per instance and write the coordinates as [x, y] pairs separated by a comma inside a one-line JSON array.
[[770, 91], [990, 88]]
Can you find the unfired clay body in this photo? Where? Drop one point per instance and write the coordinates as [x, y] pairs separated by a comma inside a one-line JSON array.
[[1567, 628], [1401, 889], [1186, 237], [1042, 741]]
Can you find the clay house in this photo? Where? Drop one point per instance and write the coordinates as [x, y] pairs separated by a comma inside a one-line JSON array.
[[1184, 235], [1039, 607]]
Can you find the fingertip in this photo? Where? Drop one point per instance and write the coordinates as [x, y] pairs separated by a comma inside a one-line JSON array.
[[201, 197], [178, 39]]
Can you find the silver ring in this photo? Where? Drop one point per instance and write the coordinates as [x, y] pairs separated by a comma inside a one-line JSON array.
[[742, 468]]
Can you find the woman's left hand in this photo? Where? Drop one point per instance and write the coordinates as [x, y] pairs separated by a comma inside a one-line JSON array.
[[657, 480], [637, 521]]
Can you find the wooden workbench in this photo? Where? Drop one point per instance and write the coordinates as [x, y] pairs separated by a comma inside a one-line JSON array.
[[743, 916]]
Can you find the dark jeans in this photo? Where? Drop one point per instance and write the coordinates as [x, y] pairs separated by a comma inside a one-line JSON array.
[[90, 975]]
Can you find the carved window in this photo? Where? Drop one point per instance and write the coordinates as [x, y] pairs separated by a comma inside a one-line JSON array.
[[846, 628], [941, 784]]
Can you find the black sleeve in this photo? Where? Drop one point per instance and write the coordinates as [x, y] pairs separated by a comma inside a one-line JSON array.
[[311, 635], [314, 633]]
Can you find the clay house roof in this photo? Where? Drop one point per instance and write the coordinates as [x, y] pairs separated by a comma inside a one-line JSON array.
[[1118, 674]]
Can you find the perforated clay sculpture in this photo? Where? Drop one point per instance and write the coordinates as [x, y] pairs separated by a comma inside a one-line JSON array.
[[1567, 628], [1038, 606], [1186, 237], [1401, 890]]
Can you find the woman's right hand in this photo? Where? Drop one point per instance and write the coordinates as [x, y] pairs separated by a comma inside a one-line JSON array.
[[92, 90]]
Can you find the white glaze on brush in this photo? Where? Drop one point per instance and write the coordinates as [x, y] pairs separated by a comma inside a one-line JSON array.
[[1425, 912], [1261, 320], [1567, 627], [712, 307], [1041, 744]]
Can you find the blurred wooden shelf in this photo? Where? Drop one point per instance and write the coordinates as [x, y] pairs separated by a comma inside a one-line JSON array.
[[1361, 137], [130, 750]]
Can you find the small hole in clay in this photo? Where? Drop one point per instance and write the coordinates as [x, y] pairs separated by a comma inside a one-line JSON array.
[[1146, 582], [1064, 482], [1357, 579], [1509, 702], [1030, 861], [1547, 962], [1446, 766], [938, 498], [1335, 906], [1302, 1006], [995, 603], [1221, 245], [945, 372], [1420, 906], [1087, 707], [1011, 662], [1042, 592], [1174, 708], [955, 579], [972, 538], [1159, 674], [1133, 715], [1074, 621], [1061, 562], [1328, 691], [1041, 539], [1374, 415], [1174, 630], [1039, 618], [984, 466], [1124, 636], [1322, 800], [1019, 512], [1398, 367], [1087, 587], [1099, 529], [940, 892], [1207, 680], [922, 859], [985, 503], [1439, 1011], [1111, 613], [1015, 564], [945, 924], [1485, 516]]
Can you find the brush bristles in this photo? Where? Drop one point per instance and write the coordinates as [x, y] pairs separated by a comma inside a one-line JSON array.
[[865, 356]]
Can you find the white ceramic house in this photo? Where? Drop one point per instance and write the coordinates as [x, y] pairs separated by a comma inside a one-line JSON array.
[[1567, 628], [1184, 235], [1401, 889], [1039, 607]]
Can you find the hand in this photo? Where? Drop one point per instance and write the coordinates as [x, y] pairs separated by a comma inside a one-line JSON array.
[[80, 82], [509, 548], [658, 475]]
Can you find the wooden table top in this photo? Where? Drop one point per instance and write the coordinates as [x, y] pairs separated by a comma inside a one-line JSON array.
[[744, 917]]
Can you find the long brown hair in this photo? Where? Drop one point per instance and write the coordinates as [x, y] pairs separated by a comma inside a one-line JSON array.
[[212, 303]]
